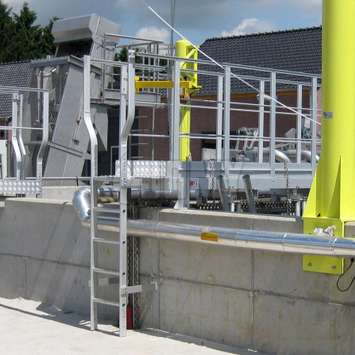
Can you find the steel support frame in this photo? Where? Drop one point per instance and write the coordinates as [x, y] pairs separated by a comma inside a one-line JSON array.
[[314, 114], [261, 120], [14, 136], [227, 120], [93, 174], [127, 115], [299, 123], [219, 125], [273, 95], [45, 135]]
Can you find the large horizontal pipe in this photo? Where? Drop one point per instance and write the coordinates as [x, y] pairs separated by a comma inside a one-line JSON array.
[[81, 198], [249, 239], [239, 238]]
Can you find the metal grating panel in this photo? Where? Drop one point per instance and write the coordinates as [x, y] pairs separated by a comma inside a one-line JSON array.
[[20, 187], [145, 169]]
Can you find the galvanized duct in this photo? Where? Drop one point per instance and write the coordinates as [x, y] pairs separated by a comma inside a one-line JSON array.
[[239, 238], [249, 239], [81, 203]]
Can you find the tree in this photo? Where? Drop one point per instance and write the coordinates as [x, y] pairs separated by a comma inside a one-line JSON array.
[[6, 28], [122, 56], [21, 38]]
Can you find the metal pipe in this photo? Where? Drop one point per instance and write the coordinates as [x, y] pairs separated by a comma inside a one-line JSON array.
[[249, 193], [246, 239], [81, 203], [249, 239], [282, 156], [305, 154]]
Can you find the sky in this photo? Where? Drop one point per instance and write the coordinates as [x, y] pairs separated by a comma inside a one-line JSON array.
[[196, 19]]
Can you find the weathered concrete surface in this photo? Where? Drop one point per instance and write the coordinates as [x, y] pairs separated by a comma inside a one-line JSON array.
[[46, 254], [231, 296], [29, 327], [233, 220], [58, 192], [255, 299]]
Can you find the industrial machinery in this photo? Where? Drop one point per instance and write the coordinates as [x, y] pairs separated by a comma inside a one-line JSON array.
[[87, 102], [280, 165]]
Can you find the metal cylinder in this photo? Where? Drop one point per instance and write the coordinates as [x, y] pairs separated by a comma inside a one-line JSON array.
[[331, 200], [81, 203], [338, 126], [239, 238]]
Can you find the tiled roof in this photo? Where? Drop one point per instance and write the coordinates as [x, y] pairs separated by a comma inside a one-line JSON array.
[[13, 74], [295, 50]]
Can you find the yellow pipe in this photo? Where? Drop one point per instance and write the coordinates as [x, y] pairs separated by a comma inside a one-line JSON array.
[[161, 84], [185, 128], [332, 197]]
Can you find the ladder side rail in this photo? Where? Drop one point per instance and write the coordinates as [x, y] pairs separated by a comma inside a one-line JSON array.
[[45, 136], [126, 123], [93, 173], [14, 141]]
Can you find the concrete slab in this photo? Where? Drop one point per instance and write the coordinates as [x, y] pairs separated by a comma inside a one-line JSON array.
[[207, 264], [283, 326], [215, 313], [232, 220], [28, 327]]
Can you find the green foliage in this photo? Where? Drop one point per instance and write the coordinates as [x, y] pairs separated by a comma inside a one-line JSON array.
[[21, 38], [122, 55]]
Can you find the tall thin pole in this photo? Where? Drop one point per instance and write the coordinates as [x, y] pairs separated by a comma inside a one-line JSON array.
[[172, 21]]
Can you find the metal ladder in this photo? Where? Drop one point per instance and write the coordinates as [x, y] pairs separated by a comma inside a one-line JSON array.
[[127, 97], [96, 271]]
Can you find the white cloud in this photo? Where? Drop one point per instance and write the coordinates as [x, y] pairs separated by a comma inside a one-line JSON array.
[[16, 4], [249, 25], [155, 33]]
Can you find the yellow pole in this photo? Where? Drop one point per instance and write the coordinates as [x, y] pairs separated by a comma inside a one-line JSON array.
[[332, 198], [184, 49]]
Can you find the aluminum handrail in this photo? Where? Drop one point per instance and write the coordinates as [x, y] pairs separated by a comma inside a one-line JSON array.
[[231, 65]]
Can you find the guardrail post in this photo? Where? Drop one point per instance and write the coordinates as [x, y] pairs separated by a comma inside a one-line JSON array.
[[227, 119], [273, 94], [261, 120], [219, 118], [299, 123], [314, 111]]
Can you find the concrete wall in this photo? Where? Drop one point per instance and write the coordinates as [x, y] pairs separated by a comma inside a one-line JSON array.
[[45, 255], [238, 297]]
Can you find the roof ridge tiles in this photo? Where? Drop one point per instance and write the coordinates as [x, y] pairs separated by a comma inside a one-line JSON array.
[[305, 29]]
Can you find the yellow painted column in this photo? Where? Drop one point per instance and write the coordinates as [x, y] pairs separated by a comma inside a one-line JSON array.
[[332, 198], [185, 128], [184, 49]]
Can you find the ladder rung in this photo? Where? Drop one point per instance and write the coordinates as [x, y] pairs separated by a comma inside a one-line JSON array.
[[106, 210], [107, 178], [106, 272], [134, 289], [107, 303], [105, 241], [106, 218]]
